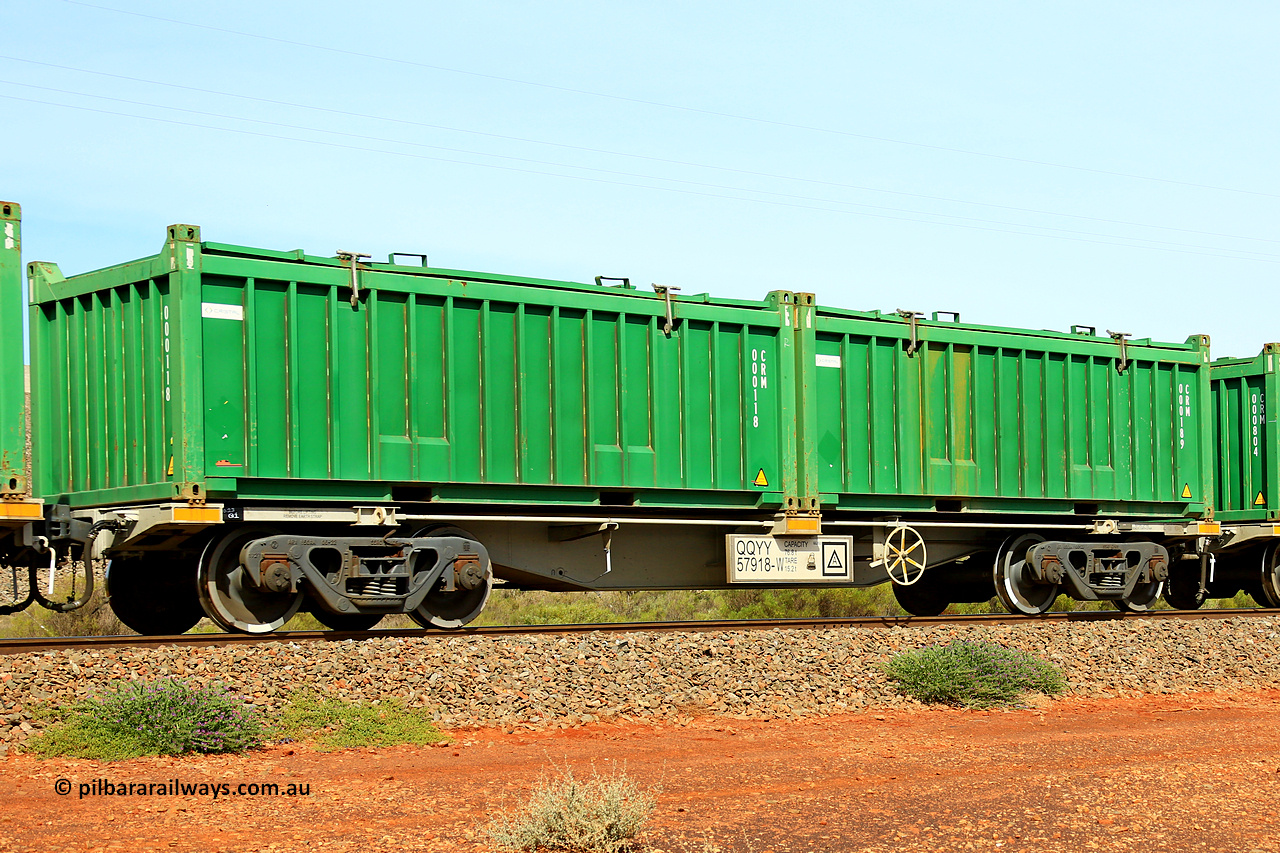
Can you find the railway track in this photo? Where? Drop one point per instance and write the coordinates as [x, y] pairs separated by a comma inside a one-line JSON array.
[[26, 645]]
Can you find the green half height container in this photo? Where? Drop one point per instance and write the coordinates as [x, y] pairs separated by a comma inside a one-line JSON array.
[[219, 372], [1247, 438], [930, 414]]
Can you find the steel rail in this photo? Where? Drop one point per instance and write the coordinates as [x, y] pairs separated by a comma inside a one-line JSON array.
[[29, 645]]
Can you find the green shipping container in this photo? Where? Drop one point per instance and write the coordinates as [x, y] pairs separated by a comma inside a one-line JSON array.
[[1247, 438], [975, 418], [219, 371], [236, 374]]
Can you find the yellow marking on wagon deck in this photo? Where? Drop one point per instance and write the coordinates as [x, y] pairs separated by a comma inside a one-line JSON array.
[[21, 509], [802, 524], [197, 514]]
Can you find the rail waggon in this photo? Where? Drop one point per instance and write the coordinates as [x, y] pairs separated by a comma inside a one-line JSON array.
[[244, 433]]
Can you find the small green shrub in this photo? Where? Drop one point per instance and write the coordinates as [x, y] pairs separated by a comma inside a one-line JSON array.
[[506, 607], [81, 736], [134, 718], [565, 813], [334, 724], [973, 675]]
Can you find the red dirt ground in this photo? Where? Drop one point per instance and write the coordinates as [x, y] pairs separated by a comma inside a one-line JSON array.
[[1198, 772]]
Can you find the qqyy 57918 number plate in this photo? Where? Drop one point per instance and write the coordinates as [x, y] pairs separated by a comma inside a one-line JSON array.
[[789, 559]]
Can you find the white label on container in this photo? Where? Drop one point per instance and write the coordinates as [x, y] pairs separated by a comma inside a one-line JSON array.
[[1258, 412], [759, 382], [166, 367], [8, 235], [789, 559], [828, 360], [216, 311], [1184, 411]]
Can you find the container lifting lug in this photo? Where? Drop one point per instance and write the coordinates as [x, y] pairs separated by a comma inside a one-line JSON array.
[[665, 292], [1119, 337], [911, 317], [355, 258]]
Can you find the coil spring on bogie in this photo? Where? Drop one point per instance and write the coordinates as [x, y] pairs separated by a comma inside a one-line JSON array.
[[378, 586], [1108, 581]]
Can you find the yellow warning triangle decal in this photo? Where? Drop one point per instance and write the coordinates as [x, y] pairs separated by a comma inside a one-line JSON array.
[[760, 479], [1186, 490], [1259, 500]]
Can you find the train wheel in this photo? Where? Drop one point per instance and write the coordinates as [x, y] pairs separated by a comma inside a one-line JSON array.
[[1017, 590], [1270, 576], [451, 610], [920, 599], [345, 621], [1182, 591], [154, 594], [1144, 595], [228, 595]]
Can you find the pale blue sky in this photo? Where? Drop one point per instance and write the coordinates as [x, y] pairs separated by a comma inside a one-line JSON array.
[[1027, 164]]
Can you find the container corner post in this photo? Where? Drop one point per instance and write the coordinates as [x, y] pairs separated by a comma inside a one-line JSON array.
[[13, 432]]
